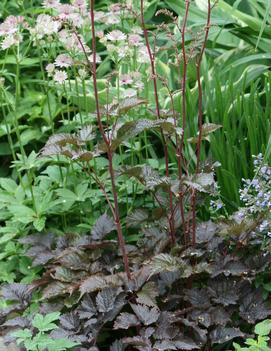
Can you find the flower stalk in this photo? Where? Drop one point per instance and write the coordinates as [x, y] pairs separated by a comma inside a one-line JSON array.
[[110, 151]]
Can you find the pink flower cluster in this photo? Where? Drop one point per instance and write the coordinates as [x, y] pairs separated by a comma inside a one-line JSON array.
[[61, 61], [122, 45], [75, 12], [10, 31]]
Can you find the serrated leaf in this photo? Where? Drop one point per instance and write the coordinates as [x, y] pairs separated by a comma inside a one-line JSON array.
[[164, 263], [253, 307], [44, 323], [147, 295], [125, 321], [136, 217], [221, 335], [98, 282], [105, 299], [145, 314], [86, 134], [201, 182], [103, 226], [207, 129]]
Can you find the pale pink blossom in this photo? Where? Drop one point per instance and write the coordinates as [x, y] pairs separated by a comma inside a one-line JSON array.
[[115, 8], [143, 55], [134, 39], [9, 26], [60, 76], [111, 19], [99, 16], [65, 10], [63, 60], [126, 79], [100, 34], [116, 35], [51, 4], [76, 19], [80, 5]]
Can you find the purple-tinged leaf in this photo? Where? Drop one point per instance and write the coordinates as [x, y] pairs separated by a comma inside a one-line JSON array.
[[17, 292], [105, 299], [221, 335], [224, 291], [253, 308], [145, 314], [117, 346], [103, 226], [99, 282], [125, 321]]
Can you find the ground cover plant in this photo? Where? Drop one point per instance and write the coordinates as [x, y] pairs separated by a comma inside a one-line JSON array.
[[135, 191]]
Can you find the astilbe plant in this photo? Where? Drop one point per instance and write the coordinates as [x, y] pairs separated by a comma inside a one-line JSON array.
[[68, 25]]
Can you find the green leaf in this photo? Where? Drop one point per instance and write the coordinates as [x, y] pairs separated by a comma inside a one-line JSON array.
[[22, 213], [39, 223], [62, 345], [22, 334], [44, 323], [263, 328], [8, 184]]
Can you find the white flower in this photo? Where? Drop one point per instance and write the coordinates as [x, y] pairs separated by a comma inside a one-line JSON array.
[[60, 76], [137, 30], [45, 25], [11, 40], [82, 73], [129, 93], [122, 51], [63, 60], [98, 58], [50, 68], [116, 35], [71, 42], [99, 16]]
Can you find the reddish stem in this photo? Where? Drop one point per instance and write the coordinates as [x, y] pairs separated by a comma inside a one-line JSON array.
[[153, 71], [184, 117], [200, 117], [109, 149]]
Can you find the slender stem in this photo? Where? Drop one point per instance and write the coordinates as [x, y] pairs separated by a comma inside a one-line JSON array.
[[164, 141], [200, 116], [184, 117], [109, 149]]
